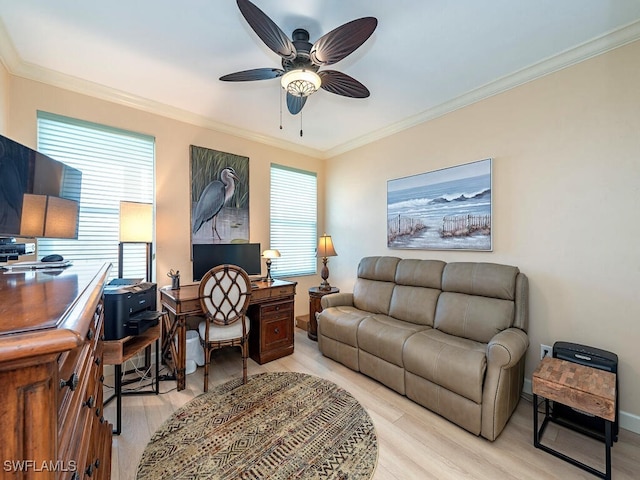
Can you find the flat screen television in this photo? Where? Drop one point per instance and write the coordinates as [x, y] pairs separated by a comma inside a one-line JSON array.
[[245, 255], [26, 171]]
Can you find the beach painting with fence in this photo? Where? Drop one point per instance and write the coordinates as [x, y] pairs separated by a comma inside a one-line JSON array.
[[448, 209]]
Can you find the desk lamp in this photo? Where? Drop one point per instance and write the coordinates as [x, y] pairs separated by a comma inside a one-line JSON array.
[[136, 226], [325, 249], [269, 254]]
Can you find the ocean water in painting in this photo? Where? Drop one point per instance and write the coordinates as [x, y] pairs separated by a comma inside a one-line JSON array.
[[429, 202]]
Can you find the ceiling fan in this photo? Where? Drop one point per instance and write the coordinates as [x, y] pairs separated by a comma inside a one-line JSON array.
[[301, 61]]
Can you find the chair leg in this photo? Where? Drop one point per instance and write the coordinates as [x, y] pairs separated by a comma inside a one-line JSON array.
[[244, 361], [207, 361]]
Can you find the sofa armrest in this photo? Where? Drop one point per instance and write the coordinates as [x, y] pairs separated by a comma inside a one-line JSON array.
[[504, 379], [337, 300], [506, 348]]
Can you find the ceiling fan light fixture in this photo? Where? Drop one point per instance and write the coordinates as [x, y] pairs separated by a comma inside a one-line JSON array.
[[301, 82]]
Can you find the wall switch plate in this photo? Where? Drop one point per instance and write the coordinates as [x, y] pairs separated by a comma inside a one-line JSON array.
[[545, 351]]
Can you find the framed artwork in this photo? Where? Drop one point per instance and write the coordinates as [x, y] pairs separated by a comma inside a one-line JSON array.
[[219, 196], [448, 209]]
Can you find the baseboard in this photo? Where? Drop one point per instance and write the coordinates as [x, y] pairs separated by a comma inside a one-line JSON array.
[[628, 421]]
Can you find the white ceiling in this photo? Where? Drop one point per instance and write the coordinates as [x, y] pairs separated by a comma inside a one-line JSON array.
[[426, 57]]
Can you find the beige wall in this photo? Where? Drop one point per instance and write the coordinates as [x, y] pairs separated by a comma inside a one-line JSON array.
[[172, 168], [566, 196]]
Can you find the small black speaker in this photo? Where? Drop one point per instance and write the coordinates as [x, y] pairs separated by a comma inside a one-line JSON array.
[[576, 419]]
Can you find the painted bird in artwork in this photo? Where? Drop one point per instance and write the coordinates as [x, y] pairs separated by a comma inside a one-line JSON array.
[[213, 198]]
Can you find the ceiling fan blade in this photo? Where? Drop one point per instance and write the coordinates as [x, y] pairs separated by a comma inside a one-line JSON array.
[[295, 103], [342, 84], [342, 41], [255, 74], [267, 30]]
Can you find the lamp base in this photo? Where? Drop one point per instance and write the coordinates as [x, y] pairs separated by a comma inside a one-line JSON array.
[[268, 278], [324, 273]]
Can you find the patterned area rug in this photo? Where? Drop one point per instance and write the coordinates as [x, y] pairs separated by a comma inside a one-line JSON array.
[[280, 426]]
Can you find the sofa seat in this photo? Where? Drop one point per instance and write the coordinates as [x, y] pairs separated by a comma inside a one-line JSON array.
[[457, 364], [338, 334], [381, 342]]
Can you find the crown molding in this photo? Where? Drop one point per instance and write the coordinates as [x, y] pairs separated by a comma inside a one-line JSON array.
[[609, 41], [592, 48]]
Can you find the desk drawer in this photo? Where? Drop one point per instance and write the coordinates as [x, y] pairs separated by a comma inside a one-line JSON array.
[[276, 332]]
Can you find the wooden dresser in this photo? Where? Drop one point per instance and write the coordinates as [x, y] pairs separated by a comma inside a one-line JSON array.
[[51, 374]]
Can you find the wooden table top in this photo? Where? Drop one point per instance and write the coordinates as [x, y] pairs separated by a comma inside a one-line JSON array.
[[586, 388]]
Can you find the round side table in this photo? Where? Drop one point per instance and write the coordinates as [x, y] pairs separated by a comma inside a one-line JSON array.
[[315, 294]]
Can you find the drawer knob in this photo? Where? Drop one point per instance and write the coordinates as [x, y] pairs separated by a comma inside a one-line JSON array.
[[75, 476], [276, 330], [72, 383], [89, 470], [98, 361], [90, 335], [90, 402]]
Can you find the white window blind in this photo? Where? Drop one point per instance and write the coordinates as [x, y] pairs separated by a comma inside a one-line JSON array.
[[116, 165], [294, 202]]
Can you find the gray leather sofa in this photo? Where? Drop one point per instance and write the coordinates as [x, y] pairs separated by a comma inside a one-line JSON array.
[[450, 336]]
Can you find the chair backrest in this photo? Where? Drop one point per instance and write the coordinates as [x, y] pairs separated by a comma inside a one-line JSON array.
[[225, 292]]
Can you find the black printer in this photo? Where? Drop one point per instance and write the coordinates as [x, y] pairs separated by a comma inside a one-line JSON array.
[[129, 308]]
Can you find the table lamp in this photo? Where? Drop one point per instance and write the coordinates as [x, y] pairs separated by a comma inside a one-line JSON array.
[[46, 216], [269, 254], [136, 226], [325, 249]]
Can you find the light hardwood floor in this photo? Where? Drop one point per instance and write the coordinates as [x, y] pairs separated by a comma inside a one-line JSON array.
[[413, 442]]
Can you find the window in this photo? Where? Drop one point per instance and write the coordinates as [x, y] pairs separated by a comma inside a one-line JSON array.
[[294, 205], [116, 165]]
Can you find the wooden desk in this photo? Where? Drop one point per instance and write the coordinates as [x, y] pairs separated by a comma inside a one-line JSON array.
[[270, 311], [585, 388], [116, 352]]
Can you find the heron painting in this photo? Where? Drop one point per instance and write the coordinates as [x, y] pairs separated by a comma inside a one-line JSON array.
[[219, 197]]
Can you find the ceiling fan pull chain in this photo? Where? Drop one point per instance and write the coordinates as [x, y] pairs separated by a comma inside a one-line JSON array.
[[281, 108], [300, 122]]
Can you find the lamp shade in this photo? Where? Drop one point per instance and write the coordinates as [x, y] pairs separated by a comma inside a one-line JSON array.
[[46, 216], [325, 247], [136, 222], [271, 254]]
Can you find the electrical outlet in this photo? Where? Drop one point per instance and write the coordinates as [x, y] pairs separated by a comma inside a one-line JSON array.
[[545, 351]]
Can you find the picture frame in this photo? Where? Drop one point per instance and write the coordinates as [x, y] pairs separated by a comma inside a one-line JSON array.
[[219, 196], [446, 209]]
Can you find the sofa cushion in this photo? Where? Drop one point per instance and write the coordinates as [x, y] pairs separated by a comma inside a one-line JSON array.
[[456, 364], [416, 292], [420, 273], [384, 337], [485, 279], [372, 295], [341, 324], [471, 316], [414, 304], [378, 268]]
